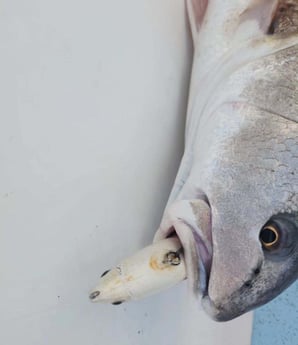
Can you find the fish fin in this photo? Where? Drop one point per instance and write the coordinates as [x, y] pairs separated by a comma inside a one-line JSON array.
[[196, 10]]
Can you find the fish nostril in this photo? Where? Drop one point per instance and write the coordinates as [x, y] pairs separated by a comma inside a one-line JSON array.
[[257, 271], [94, 294], [248, 284]]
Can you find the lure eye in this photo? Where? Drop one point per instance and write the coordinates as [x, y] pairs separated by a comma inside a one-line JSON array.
[[269, 236], [117, 303], [104, 273]]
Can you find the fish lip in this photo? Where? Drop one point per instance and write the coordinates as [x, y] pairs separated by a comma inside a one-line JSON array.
[[204, 243], [205, 253], [221, 312], [202, 238], [217, 312], [195, 236], [200, 263]]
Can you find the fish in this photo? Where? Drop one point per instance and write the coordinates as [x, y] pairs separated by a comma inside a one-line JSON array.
[[234, 205]]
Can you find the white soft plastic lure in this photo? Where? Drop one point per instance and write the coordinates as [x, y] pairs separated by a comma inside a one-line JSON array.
[[231, 224], [150, 270]]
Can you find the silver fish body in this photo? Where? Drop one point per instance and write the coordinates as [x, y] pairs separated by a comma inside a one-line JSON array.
[[241, 155], [234, 204]]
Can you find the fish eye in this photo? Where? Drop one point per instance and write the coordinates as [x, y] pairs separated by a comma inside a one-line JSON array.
[[269, 236]]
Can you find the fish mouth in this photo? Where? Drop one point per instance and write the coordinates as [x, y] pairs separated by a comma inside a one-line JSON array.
[[196, 240], [204, 252]]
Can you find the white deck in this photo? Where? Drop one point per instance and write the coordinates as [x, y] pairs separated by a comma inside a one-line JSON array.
[[93, 97]]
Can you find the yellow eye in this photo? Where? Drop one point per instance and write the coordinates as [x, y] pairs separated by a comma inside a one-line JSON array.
[[269, 236]]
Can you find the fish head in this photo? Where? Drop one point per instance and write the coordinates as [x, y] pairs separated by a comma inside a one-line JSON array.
[[251, 265], [243, 223], [246, 168], [252, 193]]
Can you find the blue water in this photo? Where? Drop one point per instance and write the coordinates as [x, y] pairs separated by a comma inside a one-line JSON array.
[[277, 322]]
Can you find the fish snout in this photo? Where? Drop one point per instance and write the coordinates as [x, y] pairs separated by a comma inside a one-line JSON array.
[[218, 312], [234, 282]]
